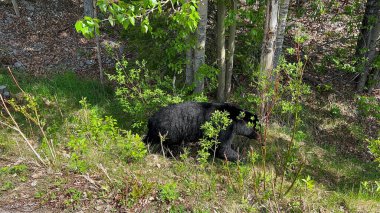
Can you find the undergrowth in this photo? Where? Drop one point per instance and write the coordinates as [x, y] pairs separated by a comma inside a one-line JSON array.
[[299, 175]]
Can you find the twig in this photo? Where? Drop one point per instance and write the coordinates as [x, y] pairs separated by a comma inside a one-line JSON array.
[[14, 80], [293, 182], [36, 120], [104, 171], [17, 129], [89, 179], [59, 108], [162, 139]]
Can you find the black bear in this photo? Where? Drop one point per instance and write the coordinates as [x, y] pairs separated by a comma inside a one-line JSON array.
[[181, 123]]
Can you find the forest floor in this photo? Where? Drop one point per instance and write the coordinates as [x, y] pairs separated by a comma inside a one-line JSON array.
[[43, 42]]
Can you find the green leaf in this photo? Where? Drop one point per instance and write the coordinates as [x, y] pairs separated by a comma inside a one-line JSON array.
[[120, 18], [125, 24], [111, 20], [90, 23], [102, 4], [87, 18], [79, 26], [145, 25], [144, 28], [132, 20]]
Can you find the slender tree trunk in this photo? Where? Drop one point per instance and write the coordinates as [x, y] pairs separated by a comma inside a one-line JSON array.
[[284, 8], [267, 77], [368, 40], [221, 49], [231, 51], [269, 43], [88, 8], [199, 51], [15, 7], [189, 75], [97, 41], [189, 67]]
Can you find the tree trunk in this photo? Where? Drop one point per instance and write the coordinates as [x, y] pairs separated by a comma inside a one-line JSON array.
[[284, 8], [88, 8], [221, 49], [189, 67], [97, 41], [231, 51], [368, 40], [269, 43], [199, 52], [267, 78], [189, 75]]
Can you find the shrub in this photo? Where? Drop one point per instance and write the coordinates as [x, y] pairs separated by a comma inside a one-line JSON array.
[[168, 192], [219, 121], [91, 131], [368, 106]]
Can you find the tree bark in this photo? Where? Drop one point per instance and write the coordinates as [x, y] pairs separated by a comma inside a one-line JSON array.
[[368, 40], [189, 74], [221, 49], [88, 8], [189, 67], [98, 50], [267, 78], [269, 43], [199, 51], [231, 51], [284, 8]]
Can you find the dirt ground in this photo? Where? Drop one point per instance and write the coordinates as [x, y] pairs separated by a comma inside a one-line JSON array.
[[43, 38], [43, 190]]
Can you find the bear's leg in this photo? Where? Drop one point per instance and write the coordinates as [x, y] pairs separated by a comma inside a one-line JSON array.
[[224, 149]]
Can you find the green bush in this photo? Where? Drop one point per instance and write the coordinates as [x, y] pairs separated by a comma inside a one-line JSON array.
[[219, 121], [168, 192], [374, 147], [14, 170], [368, 106], [93, 132]]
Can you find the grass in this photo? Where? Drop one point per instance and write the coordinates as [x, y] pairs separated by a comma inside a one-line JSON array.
[[156, 183], [67, 89]]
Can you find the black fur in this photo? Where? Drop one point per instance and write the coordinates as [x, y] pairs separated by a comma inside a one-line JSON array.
[[181, 123]]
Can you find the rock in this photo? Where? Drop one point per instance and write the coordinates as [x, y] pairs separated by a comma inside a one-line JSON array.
[[2, 89], [38, 47], [18, 64], [4, 92], [30, 7], [89, 62], [9, 20]]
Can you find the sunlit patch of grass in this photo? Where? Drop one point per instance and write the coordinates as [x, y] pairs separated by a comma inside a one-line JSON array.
[[62, 91]]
